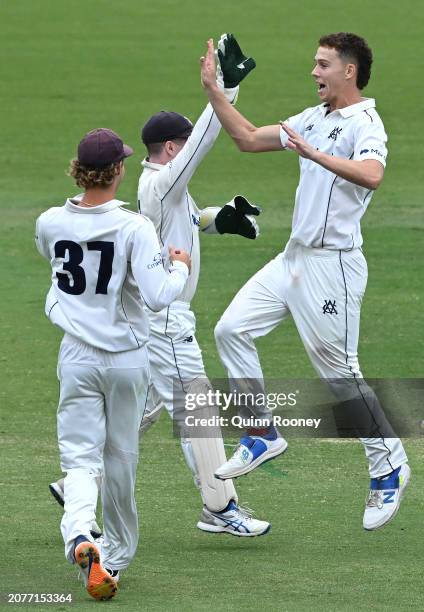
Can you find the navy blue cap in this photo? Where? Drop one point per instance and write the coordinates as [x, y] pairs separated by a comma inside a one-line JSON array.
[[164, 126]]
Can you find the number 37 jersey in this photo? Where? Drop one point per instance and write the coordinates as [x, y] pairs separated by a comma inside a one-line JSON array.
[[106, 263]]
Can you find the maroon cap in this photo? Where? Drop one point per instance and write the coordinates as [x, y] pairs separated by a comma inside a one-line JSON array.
[[164, 126], [102, 147]]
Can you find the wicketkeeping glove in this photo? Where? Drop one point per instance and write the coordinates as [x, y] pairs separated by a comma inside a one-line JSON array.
[[235, 65], [236, 217]]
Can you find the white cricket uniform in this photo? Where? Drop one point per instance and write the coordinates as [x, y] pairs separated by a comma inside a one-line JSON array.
[[104, 262], [174, 354], [321, 276]]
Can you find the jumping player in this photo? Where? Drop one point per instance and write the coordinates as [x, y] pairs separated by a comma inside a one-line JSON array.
[[102, 258], [341, 145]]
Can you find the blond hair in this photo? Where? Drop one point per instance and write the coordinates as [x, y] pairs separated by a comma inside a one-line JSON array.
[[92, 177]]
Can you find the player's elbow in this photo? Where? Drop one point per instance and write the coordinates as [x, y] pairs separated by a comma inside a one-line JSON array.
[[245, 145], [373, 182], [374, 176], [247, 141], [157, 306]]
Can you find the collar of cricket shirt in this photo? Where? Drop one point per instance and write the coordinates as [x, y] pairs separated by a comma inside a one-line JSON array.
[[353, 109], [148, 164], [72, 206]]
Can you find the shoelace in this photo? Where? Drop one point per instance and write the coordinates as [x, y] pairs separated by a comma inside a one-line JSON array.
[[246, 512], [375, 499], [236, 452]]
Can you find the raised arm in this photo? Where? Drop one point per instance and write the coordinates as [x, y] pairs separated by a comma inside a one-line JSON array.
[[175, 175], [247, 137]]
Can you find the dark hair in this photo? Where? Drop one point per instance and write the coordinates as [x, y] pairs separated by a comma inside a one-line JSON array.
[[156, 148], [92, 177], [353, 47]]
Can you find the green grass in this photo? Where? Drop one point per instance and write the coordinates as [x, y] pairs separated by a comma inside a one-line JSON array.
[[68, 67]]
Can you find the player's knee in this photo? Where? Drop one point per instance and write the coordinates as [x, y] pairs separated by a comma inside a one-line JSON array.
[[224, 330]]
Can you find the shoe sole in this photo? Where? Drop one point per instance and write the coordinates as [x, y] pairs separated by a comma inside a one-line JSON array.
[[56, 494], [259, 461], [215, 529], [392, 516], [100, 584]]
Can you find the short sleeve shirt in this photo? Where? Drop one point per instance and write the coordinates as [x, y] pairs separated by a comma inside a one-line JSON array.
[[328, 209]]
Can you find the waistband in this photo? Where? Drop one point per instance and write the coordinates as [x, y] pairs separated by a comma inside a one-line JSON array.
[[73, 350], [294, 248]]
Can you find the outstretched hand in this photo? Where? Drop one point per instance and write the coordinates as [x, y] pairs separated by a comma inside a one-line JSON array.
[[298, 144], [235, 65], [208, 66]]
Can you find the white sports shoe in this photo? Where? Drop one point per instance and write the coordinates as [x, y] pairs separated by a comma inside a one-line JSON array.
[[234, 520], [251, 452], [384, 497]]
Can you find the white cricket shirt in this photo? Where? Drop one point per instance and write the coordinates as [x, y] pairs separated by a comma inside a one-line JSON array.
[[164, 198], [328, 209], [105, 262]]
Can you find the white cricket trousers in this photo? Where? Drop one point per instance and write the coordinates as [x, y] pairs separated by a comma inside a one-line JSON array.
[[322, 290], [176, 368], [101, 405]]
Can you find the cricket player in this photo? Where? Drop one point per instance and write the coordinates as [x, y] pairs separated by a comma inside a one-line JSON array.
[[175, 150], [321, 276], [103, 261]]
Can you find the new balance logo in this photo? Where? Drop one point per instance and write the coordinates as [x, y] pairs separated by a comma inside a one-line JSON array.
[[334, 133], [329, 307], [389, 497], [245, 455]]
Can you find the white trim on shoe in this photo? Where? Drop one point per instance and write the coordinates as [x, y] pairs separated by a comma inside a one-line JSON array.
[[234, 520]]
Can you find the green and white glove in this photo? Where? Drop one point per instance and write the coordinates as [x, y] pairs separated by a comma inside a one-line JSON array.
[[236, 217], [235, 66]]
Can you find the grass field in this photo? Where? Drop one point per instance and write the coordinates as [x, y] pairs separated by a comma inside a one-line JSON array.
[[69, 67]]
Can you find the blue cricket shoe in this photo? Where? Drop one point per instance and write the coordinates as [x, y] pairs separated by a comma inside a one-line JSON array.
[[252, 452], [384, 497]]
